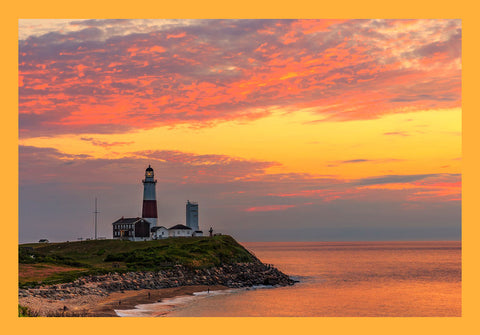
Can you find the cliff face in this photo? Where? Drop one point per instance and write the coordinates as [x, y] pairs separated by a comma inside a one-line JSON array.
[[233, 275]]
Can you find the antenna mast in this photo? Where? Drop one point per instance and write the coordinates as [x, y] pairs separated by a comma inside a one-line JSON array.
[[96, 212]]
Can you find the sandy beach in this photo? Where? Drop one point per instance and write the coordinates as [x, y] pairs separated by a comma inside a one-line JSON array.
[[98, 306], [100, 295]]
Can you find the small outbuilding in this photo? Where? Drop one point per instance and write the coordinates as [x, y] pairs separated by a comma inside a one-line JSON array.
[[159, 232], [180, 230]]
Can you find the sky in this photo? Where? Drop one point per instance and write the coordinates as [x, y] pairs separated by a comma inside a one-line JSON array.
[[281, 130]]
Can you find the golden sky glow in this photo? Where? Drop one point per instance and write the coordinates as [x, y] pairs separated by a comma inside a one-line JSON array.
[[408, 143]]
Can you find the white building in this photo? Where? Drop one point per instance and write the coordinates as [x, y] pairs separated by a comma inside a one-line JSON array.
[[159, 232], [180, 230]]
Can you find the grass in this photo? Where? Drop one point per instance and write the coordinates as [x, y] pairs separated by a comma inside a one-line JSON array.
[[29, 274], [26, 312], [49, 263], [23, 311]]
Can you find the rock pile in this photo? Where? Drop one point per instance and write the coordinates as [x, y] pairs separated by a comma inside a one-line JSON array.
[[232, 275]]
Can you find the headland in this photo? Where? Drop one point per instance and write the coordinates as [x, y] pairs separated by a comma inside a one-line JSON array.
[[92, 278]]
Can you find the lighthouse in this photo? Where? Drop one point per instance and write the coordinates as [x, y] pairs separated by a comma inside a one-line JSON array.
[[149, 210]]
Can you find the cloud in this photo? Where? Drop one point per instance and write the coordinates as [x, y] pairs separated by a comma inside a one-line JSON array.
[[100, 23], [268, 208], [356, 161], [32, 152], [436, 187], [392, 179], [397, 133], [451, 47], [104, 144], [362, 160], [40, 165], [232, 177], [111, 76]]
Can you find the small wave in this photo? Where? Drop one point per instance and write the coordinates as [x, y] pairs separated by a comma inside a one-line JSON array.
[[299, 278], [256, 287], [212, 293], [162, 308], [169, 304]]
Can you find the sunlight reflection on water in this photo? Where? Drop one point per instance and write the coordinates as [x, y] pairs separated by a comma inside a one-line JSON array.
[[341, 279]]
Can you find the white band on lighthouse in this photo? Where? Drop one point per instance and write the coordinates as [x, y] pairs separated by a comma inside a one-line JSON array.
[[149, 191]]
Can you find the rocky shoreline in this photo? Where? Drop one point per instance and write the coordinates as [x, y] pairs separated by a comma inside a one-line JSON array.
[[231, 276]]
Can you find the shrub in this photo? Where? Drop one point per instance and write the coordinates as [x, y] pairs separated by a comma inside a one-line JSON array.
[[23, 311], [100, 252]]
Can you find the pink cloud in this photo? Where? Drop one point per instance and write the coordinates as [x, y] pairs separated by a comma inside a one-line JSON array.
[[105, 144], [179, 35], [80, 82], [268, 208]]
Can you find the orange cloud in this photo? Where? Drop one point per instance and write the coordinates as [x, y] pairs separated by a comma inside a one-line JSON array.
[[441, 188], [179, 35], [157, 48], [268, 208]]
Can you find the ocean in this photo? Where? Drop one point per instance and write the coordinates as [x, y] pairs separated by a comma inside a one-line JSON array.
[[350, 279]]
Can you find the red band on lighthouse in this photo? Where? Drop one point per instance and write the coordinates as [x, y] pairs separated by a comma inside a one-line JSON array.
[[149, 209]]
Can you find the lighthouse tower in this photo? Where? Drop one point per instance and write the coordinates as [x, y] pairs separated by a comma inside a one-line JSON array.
[[149, 210]]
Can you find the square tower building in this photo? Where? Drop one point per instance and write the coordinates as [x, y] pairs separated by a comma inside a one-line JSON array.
[[192, 215]]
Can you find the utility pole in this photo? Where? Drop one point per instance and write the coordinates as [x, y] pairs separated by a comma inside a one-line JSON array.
[[96, 212]]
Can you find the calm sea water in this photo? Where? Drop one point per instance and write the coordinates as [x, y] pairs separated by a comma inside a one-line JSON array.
[[338, 279]]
